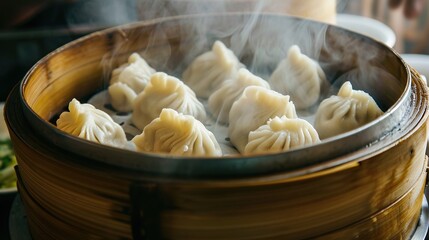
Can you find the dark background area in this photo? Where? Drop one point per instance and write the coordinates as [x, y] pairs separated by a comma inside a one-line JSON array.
[[22, 44], [57, 23], [5, 205]]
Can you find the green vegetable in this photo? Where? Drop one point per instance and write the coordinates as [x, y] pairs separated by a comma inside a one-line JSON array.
[[7, 163]]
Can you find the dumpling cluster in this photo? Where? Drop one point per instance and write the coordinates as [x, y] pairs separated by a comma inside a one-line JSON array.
[[177, 134], [87, 122], [300, 77], [220, 102], [165, 91], [281, 134], [127, 81], [255, 119], [348, 110], [209, 70], [254, 108]]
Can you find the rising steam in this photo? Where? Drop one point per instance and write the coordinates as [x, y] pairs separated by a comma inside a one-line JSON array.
[[258, 40]]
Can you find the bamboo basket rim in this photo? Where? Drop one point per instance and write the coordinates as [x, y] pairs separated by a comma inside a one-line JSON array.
[[234, 164]]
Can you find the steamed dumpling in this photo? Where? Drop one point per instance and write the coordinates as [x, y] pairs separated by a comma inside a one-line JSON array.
[[85, 121], [281, 134], [164, 91], [348, 110], [209, 70], [300, 77], [253, 109], [220, 102], [122, 97], [135, 75], [177, 134]]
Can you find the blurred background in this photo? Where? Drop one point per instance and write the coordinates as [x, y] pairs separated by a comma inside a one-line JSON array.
[[412, 35], [29, 29]]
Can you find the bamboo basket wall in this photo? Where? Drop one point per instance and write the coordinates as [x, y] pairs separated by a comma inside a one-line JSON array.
[[373, 191]]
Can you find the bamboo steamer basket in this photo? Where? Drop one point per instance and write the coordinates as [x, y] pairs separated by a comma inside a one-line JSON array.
[[367, 183]]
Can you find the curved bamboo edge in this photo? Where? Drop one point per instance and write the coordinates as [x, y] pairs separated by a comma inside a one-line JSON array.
[[63, 75], [52, 180], [250, 207]]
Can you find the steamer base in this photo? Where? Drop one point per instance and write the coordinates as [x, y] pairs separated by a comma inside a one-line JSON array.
[[19, 229]]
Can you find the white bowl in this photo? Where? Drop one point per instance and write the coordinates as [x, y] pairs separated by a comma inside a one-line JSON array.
[[368, 27], [418, 62]]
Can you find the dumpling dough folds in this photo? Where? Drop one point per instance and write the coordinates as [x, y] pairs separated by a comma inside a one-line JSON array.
[[281, 134], [220, 102], [87, 122], [300, 77], [253, 109], [209, 70], [122, 97], [164, 91], [135, 74], [177, 134], [348, 110]]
